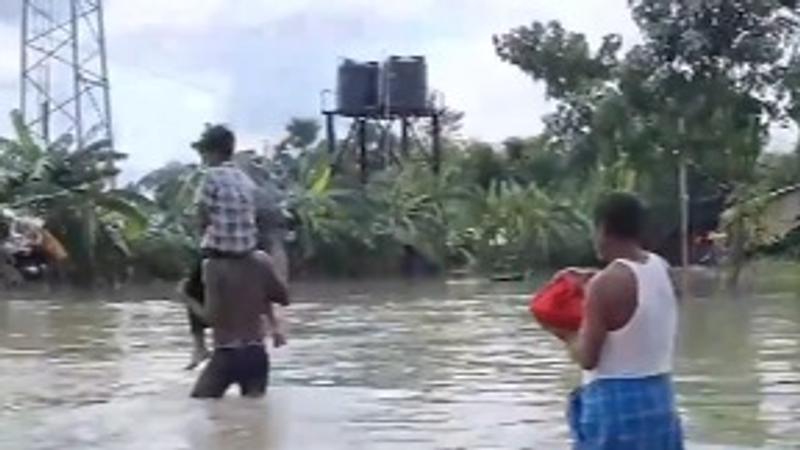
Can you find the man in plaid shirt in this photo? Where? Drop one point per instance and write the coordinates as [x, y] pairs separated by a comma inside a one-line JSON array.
[[225, 199]]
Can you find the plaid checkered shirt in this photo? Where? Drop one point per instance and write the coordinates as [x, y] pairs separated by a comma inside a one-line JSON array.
[[227, 193]]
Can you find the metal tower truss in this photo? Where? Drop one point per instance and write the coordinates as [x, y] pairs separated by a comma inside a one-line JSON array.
[[64, 71]]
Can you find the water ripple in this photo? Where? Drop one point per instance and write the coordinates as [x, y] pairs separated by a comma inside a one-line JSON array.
[[379, 365]]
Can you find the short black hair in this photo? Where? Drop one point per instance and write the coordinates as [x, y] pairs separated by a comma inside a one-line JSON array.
[[216, 138], [622, 215]]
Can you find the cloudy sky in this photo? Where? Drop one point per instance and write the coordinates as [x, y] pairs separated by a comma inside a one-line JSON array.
[[255, 63]]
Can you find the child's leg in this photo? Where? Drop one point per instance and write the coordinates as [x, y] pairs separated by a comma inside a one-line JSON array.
[[199, 350], [193, 287]]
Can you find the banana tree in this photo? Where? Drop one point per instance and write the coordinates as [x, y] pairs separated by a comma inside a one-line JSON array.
[[331, 218], [416, 208], [172, 189], [68, 188], [520, 228]]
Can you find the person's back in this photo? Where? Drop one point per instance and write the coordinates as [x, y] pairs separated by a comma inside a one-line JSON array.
[[645, 344], [238, 291]]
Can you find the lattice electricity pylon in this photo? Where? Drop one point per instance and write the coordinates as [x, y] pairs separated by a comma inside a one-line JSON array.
[[64, 71]]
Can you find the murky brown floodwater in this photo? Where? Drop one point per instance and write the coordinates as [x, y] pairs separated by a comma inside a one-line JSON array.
[[374, 366]]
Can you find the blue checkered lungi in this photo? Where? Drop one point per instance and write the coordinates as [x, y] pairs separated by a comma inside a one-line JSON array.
[[625, 414]]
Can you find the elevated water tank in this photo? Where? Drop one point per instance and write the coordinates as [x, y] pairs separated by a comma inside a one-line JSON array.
[[404, 86], [357, 91]]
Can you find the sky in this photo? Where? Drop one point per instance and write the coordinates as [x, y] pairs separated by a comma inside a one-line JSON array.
[[254, 64]]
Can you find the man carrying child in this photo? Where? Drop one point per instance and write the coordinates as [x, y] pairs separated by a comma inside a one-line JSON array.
[[238, 282]]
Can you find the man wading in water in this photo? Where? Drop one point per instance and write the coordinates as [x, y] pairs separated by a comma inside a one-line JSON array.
[[240, 282], [626, 341]]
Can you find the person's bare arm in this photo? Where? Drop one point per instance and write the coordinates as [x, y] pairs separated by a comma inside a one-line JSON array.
[[276, 291], [603, 294]]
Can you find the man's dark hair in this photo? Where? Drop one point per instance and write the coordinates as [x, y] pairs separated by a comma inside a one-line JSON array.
[[622, 215], [218, 139]]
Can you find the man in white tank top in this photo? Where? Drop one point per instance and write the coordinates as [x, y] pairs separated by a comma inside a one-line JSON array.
[[626, 341]]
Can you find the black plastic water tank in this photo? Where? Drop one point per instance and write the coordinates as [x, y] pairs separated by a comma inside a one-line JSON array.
[[357, 92], [404, 86]]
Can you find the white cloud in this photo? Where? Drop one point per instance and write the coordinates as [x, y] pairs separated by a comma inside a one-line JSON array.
[[500, 100], [9, 55], [123, 16], [157, 118], [179, 63], [196, 15], [9, 74]]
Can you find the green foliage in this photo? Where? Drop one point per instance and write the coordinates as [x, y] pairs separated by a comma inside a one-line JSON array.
[[562, 59], [745, 40], [163, 254], [520, 228], [301, 133], [705, 84], [68, 188], [482, 164]]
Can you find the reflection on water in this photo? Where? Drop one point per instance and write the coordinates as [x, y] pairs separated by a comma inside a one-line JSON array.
[[385, 365]]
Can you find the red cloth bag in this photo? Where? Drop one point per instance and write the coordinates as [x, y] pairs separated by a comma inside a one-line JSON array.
[[559, 303]]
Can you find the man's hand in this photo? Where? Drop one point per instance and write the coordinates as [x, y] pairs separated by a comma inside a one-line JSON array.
[[278, 339]]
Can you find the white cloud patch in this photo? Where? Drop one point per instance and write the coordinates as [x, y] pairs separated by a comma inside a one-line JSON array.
[[9, 56], [9, 74], [125, 16], [174, 113], [10, 10]]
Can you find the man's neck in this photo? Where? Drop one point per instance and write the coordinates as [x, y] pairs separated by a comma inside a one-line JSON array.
[[219, 163], [626, 250]]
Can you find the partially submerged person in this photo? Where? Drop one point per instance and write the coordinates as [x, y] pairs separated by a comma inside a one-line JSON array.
[[238, 292], [192, 291], [239, 281], [226, 209], [626, 341]]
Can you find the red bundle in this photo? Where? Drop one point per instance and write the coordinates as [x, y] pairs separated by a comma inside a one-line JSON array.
[[559, 303]]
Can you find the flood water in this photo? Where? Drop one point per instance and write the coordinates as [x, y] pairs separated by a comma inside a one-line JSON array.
[[380, 365]]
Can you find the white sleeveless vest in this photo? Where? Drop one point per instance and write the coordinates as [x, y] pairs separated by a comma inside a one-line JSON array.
[[645, 345]]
